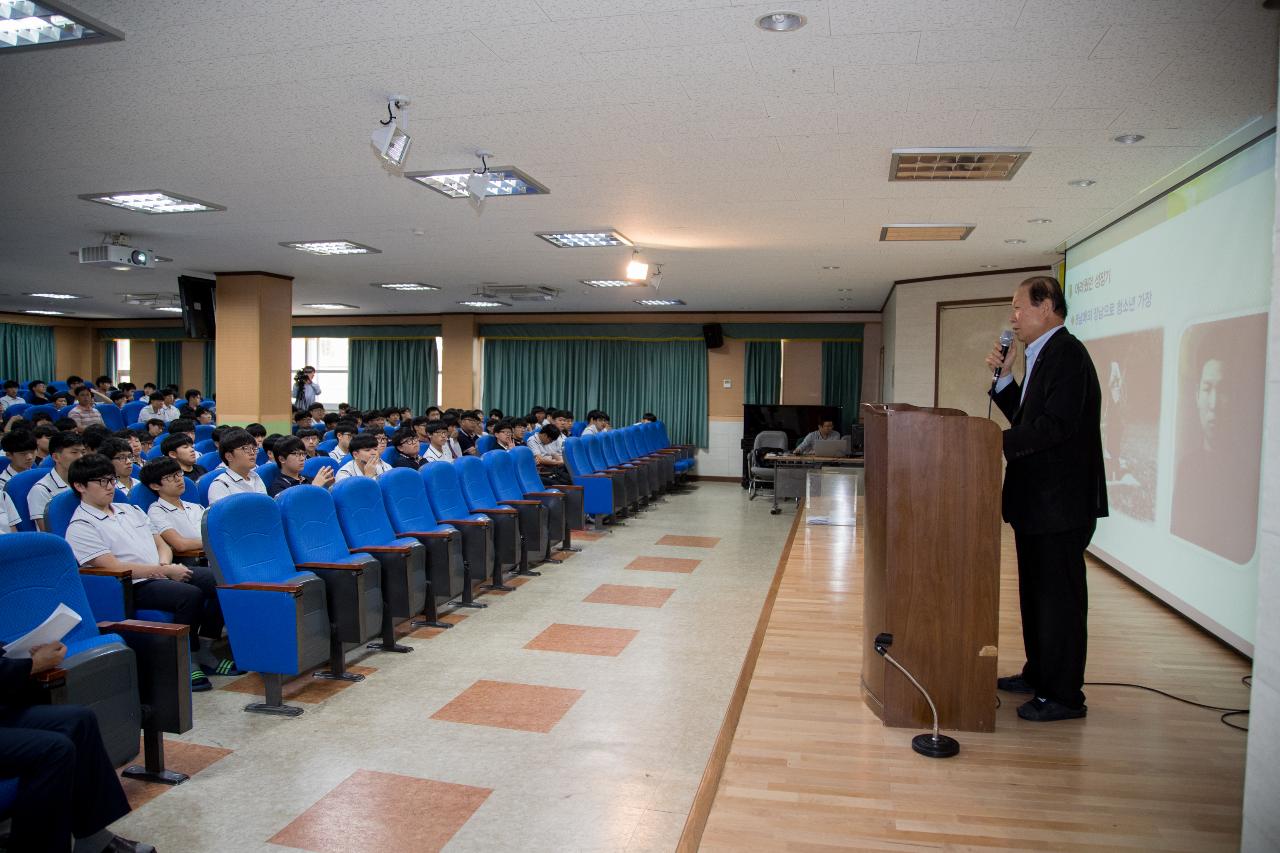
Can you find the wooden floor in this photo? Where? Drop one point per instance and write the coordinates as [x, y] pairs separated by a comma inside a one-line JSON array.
[[810, 768]]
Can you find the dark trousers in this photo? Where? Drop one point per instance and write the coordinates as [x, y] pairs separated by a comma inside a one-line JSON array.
[[66, 784], [1055, 608], [192, 602]]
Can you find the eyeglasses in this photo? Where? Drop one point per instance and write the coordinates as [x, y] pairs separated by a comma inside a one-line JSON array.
[[302, 454], [124, 457], [252, 448], [105, 482], [172, 478]]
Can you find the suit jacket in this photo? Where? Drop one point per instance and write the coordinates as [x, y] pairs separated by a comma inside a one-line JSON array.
[[1054, 480]]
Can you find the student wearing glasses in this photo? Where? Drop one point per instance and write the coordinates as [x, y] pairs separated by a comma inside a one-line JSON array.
[[364, 459], [343, 433], [290, 456], [239, 453], [405, 441], [437, 444], [183, 450], [109, 535], [121, 457], [176, 521]]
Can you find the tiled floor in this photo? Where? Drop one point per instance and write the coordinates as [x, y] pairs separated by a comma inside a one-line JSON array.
[[574, 713]]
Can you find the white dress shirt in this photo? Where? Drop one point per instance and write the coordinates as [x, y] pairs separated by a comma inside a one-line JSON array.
[[231, 483], [46, 489], [9, 516], [123, 531], [184, 518], [377, 467]]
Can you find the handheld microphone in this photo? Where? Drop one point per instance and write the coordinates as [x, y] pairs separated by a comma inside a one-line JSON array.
[[1006, 340]]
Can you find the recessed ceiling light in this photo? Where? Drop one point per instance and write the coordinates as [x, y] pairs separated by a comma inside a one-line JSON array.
[[1040, 221], [457, 183], [330, 306], [1015, 241], [986, 266], [781, 22], [956, 164], [1083, 182], [611, 282], [405, 286], [150, 201], [904, 232], [172, 309], [1128, 138], [831, 268], [659, 302], [485, 303], [25, 25], [56, 295], [845, 290], [584, 239], [44, 312], [332, 247]]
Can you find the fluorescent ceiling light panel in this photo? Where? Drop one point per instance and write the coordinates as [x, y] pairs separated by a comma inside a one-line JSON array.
[[611, 282], [659, 302], [502, 181], [912, 232], [484, 303], [332, 247], [392, 143], [584, 239], [956, 164], [405, 286], [170, 308], [330, 306], [152, 201], [56, 295], [25, 24], [44, 312], [637, 270]]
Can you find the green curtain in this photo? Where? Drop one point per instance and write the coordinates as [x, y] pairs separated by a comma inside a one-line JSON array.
[[842, 379], [393, 373], [26, 352], [762, 383], [168, 363], [109, 360], [208, 380], [624, 378]]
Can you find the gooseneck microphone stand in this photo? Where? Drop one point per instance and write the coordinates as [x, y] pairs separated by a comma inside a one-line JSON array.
[[936, 745]]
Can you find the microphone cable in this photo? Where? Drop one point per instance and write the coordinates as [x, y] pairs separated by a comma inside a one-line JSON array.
[[1246, 680]]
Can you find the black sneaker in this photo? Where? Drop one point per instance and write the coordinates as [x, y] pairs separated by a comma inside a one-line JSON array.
[[1014, 684], [199, 683], [1041, 710]]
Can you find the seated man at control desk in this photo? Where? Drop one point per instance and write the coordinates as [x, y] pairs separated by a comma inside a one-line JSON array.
[[825, 431]]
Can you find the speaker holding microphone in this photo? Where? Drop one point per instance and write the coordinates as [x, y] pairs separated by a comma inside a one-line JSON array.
[[713, 334]]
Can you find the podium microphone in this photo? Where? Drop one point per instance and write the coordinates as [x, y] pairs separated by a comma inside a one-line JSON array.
[[936, 745]]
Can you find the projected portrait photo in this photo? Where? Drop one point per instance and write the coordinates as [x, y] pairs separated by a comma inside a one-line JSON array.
[[1219, 435], [1129, 369]]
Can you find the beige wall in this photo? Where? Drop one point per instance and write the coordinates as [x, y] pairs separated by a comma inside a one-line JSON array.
[[910, 329], [142, 362], [460, 361], [254, 333], [726, 362], [1261, 830], [802, 373], [192, 365], [74, 352]]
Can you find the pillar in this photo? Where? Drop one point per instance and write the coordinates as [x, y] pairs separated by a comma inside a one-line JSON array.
[[254, 318], [460, 357]]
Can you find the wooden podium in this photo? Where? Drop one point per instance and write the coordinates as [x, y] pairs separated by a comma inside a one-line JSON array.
[[931, 565]]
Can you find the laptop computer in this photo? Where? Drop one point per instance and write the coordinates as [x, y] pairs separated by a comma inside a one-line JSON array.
[[831, 447]]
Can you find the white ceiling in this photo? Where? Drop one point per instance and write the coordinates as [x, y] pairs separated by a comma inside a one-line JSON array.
[[743, 161]]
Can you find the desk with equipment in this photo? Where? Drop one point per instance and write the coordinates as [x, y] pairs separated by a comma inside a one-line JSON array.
[[790, 479]]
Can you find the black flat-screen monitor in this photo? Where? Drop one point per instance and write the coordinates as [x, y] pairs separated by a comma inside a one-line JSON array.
[[196, 295], [795, 421]]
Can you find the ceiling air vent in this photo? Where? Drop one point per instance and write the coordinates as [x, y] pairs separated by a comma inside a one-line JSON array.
[[924, 232], [956, 164], [519, 292]]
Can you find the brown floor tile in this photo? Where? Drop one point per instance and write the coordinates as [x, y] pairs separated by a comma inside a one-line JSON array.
[[690, 541], [189, 758], [663, 564], [504, 705], [588, 535], [404, 629], [582, 640], [301, 689], [372, 812], [636, 596], [520, 581]]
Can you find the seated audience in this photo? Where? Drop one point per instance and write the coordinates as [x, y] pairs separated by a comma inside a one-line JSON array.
[[109, 535], [258, 431], [290, 456], [42, 432], [37, 388], [182, 450], [343, 432], [119, 399], [364, 459], [191, 408], [547, 445], [597, 422], [205, 416], [438, 443], [155, 410], [406, 444], [301, 420], [468, 432], [176, 521], [155, 426], [503, 434], [120, 455], [65, 448], [310, 438], [11, 395], [102, 389], [238, 450], [183, 426], [451, 423], [20, 447]]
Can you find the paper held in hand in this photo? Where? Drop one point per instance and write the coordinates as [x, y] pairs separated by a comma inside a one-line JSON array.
[[51, 630]]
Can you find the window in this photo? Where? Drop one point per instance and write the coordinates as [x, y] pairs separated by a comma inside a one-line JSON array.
[[124, 368], [329, 357]]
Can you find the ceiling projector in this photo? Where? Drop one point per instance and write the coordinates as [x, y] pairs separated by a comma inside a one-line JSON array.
[[126, 257]]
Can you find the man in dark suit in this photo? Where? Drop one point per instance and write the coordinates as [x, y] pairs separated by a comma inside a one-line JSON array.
[[1054, 493], [66, 784]]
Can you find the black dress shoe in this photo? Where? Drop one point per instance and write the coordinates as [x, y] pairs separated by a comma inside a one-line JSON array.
[[124, 845], [1041, 710], [1014, 684]]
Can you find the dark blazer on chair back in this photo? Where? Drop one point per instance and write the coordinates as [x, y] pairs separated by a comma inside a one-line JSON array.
[[1054, 479]]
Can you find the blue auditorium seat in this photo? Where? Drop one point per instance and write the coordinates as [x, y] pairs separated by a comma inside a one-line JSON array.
[[541, 515], [313, 465], [404, 497], [603, 494], [473, 481], [450, 507], [531, 483]]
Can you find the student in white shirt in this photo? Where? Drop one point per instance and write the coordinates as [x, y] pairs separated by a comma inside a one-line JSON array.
[[65, 448], [85, 412], [108, 535], [364, 459], [9, 516], [11, 395], [437, 449], [170, 410], [239, 453], [597, 422], [343, 433], [176, 521], [451, 443], [154, 409], [20, 447], [121, 456]]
